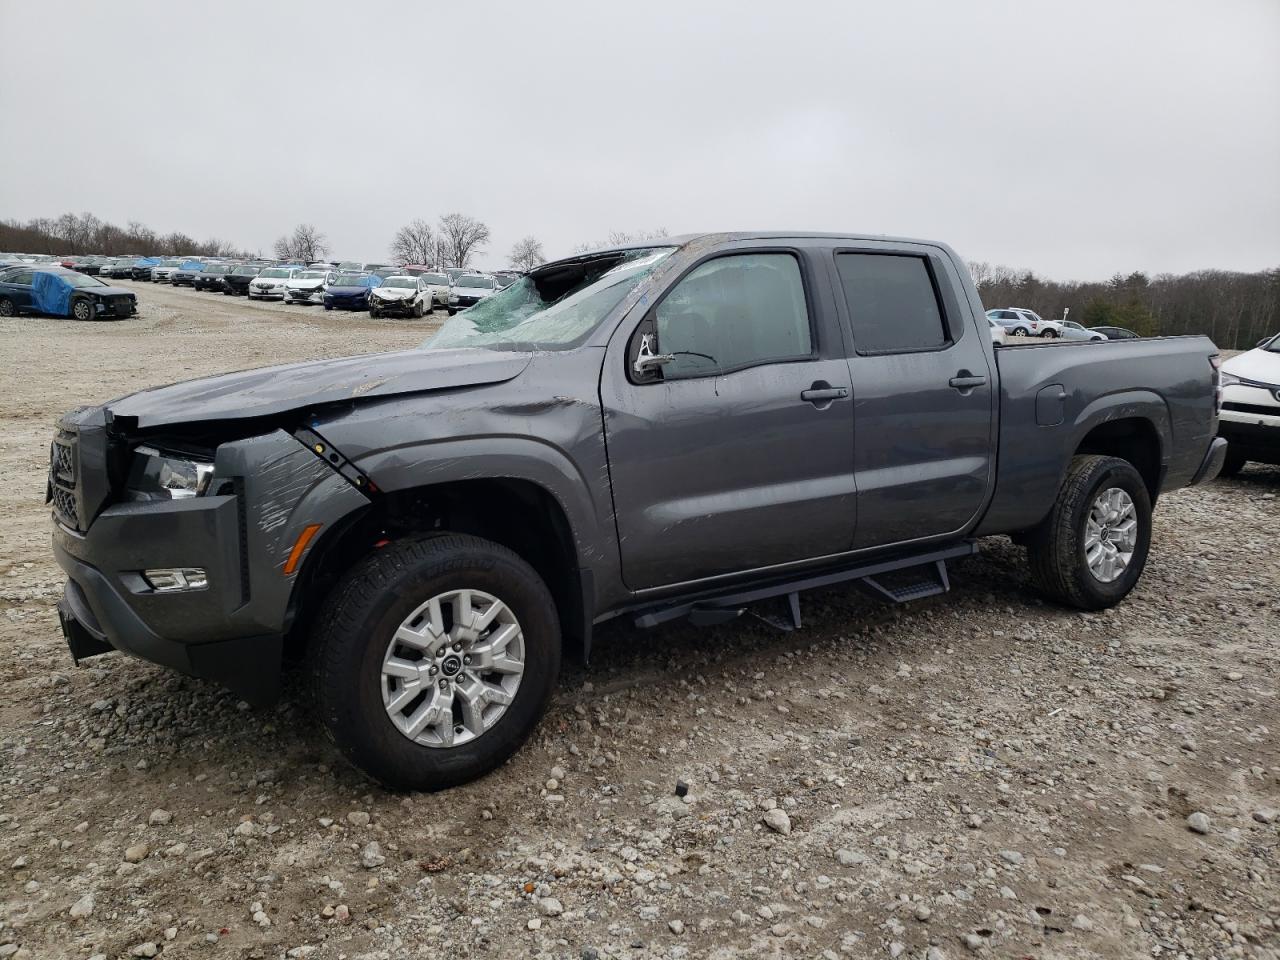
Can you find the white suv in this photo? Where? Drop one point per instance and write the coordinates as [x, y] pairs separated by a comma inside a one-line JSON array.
[[1021, 322], [1250, 418]]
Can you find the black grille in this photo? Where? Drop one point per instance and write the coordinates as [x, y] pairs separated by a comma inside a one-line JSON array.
[[64, 505], [62, 480], [62, 464], [123, 306]]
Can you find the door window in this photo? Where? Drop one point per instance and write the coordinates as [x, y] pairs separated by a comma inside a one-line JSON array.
[[892, 303], [734, 312], [22, 276]]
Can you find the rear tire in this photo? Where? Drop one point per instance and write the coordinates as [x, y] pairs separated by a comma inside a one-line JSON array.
[[360, 627], [1049, 334], [1233, 463], [7, 308], [1080, 554]]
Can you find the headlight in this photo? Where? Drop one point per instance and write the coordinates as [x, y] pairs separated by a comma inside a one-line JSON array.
[[161, 476], [1228, 379]]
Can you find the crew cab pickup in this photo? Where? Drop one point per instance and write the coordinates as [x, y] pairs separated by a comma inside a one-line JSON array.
[[678, 429]]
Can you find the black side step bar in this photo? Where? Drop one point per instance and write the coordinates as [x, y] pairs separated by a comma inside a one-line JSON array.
[[931, 579]]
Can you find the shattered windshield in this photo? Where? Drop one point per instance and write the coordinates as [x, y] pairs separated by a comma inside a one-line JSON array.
[[553, 306]]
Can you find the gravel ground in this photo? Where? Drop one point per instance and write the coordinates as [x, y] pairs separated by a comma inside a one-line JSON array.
[[980, 775]]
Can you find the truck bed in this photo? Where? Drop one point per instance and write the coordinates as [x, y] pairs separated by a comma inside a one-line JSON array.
[[1057, 398]]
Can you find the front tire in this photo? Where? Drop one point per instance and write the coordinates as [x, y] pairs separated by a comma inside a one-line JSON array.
[[1020, 332], [1091, 549], [434, 660], [82, 310]]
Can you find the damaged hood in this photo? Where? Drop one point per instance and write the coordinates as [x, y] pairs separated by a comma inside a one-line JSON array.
[[274, 390]]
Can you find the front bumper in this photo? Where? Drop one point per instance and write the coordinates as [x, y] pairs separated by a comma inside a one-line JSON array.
[[304, 296], [272, 293], [347, 303], [404, 307], [232, 630]]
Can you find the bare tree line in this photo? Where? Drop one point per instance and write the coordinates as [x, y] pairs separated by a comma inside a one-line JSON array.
[[84, 233], [1233, 309]]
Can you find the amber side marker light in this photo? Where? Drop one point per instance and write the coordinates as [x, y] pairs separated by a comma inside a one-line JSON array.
[[304, 538]]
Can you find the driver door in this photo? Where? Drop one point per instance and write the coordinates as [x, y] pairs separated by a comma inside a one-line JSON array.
[[735, 452]]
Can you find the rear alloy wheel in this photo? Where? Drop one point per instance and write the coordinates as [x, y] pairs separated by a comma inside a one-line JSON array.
[[6, 308], [434, 660], [1050, 334], [1092, 548], [82, 310]]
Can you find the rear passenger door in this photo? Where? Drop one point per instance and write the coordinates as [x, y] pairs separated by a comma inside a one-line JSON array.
[[737, 452], [923, 398]]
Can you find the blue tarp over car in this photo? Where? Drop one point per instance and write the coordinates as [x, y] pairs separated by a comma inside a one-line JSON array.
[[51, 293], [193, 265]]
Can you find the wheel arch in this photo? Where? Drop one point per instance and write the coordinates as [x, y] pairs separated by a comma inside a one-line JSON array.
[[516, 512], [1133, 431]]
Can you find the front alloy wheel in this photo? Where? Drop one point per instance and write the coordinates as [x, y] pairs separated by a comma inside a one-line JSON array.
[[452, 668], [82, 310]]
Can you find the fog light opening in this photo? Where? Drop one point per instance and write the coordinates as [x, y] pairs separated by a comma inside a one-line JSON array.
[[174, 579]]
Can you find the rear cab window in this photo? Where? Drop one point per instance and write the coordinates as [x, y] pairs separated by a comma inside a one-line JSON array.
[[893, 303]]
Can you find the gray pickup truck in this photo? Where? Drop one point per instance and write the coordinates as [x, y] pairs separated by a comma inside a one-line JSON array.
[[672, 430]]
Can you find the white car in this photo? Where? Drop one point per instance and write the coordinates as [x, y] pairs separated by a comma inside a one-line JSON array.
[[438, 284], [997, 333], [1073, 331], [403, 295], [469, 289], [1250, 417], [1021, 322], [270, 283], [160, 272], [307, 287]]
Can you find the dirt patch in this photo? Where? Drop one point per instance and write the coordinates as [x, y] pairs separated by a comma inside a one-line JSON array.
[[981, 767]]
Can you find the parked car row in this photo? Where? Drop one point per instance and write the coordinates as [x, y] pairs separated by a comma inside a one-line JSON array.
[[1020, 322]]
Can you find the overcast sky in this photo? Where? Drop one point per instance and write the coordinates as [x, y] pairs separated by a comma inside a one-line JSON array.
[[1074, 138]]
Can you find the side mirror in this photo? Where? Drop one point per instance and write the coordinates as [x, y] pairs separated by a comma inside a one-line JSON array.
[[1264, 341], [646, 362]]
